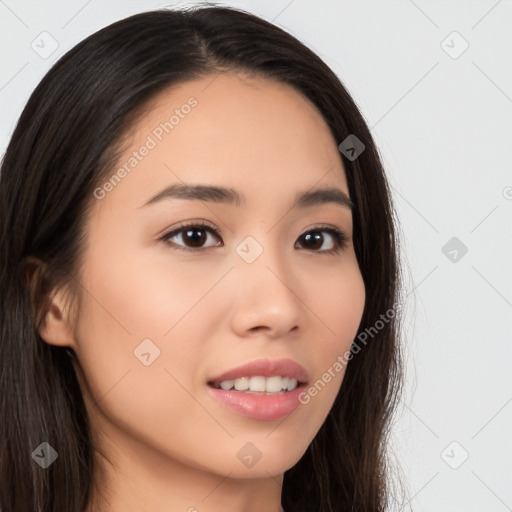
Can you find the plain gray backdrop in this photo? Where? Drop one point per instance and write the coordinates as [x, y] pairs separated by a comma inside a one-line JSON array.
[[434, 82]]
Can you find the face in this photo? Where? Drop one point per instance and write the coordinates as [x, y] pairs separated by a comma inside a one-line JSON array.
[[178, 291]]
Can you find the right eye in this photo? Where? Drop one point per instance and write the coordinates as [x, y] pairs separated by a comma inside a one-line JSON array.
[[195, 234]]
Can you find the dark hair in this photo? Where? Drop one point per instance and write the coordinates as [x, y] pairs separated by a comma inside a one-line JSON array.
[[65, 144]]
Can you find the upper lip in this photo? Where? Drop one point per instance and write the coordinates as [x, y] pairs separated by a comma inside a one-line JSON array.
[[265, 368]]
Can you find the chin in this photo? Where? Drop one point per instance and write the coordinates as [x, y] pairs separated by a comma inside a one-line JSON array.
[[262, 458]]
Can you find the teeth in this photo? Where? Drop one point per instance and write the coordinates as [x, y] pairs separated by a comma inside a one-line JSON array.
[[257, 384], [274, 384], [226, 385], [241, 384], [292, 384]]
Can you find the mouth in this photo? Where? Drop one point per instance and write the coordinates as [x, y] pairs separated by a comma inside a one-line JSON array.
[[258, 384], [258, 405], [262, 376], [264, 389]]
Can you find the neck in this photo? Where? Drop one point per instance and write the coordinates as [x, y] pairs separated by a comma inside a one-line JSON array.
[[136, 478]]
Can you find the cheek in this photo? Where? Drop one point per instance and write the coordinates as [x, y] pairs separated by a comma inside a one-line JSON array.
[[156, 315], [148, 296], [138, 318], [343, 304], [338, 305], [339, 308]]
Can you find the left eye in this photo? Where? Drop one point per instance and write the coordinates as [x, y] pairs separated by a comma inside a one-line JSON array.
[[314, 239], [193, 236]]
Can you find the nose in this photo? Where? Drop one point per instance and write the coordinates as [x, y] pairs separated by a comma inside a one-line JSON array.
[[267, 299]]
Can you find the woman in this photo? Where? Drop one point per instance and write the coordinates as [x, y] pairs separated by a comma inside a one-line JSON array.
[[198, 250]]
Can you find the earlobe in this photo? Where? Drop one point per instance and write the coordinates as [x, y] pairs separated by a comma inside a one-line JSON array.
[[51, 310]]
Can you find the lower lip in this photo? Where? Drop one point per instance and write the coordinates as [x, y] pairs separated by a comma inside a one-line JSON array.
[[259, 407]]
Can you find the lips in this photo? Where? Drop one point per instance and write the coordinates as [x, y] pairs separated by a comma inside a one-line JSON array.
[[265, 368], [258, 407], [261, 406]]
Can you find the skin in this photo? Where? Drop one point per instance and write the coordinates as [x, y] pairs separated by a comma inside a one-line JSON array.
[[171, 446]]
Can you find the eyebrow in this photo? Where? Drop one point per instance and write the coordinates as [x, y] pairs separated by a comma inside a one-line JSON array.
[[228, 195]]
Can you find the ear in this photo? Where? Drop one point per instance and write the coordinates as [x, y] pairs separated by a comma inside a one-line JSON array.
[[51, 311], [56, 327]]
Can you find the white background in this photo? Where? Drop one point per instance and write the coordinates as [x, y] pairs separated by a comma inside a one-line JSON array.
[[443, 126]]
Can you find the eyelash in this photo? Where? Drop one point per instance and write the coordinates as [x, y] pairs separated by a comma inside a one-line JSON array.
[[339, 237]]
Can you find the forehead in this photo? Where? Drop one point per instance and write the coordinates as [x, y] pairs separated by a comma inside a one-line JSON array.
[[228, 128]]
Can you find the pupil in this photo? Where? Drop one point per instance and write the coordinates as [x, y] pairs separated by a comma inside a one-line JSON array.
[[314, 236], [194, 239]]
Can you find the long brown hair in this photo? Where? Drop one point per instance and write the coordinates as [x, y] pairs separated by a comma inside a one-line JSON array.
[[65, 144]]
